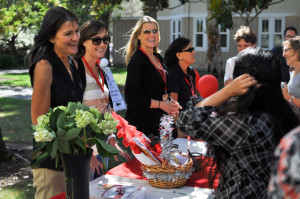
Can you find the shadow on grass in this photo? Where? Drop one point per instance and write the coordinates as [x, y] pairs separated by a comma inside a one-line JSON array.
[[15, 120]]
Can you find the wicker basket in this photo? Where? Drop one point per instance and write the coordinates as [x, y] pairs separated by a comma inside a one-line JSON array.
[[167, 176]]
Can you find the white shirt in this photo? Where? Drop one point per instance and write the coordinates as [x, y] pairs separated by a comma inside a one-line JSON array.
[[229, 69]]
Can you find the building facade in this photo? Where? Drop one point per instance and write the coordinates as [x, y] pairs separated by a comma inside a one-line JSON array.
[[189, 20]]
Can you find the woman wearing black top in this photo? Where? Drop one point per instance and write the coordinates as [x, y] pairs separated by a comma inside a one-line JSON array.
[[146, 83], [56, 80], [178, 59]]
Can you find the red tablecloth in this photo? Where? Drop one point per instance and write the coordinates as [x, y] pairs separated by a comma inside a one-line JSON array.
[[132, 169]]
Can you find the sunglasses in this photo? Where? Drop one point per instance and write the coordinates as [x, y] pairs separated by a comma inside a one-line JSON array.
[[98, 40], [147, 32], [191, 49]]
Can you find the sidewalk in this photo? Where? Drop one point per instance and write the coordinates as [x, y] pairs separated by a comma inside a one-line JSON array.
[[15, 92]]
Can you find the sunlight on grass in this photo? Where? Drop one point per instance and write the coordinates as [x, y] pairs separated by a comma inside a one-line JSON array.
[[14, 191], [6, 114], [15, 80]]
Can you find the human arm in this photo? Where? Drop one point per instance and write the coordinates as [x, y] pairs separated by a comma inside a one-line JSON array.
[[113, 142], [237, 87], [290, 98], [41, 95]]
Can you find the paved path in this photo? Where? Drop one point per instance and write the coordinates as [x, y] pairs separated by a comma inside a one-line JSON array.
[[15, 92]]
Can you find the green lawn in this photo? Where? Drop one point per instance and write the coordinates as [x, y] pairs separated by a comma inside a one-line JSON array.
[[15, 80]]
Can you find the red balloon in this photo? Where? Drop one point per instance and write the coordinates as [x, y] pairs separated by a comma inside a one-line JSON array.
[[207, 85]]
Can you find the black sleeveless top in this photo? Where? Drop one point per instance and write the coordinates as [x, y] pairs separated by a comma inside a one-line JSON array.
[[63, 89]]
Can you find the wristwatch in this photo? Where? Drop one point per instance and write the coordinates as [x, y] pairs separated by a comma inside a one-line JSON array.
[[291, 99]]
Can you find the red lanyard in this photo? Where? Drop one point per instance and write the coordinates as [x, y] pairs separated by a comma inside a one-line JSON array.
[[190, 84], [101, 73], [161, 71]]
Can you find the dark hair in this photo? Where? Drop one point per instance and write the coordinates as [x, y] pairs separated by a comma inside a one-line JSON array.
[[290, 28], [176, 46], [266, 69], [246, 33], [87, 30], [267, 98], [294, 43], [53, 20]]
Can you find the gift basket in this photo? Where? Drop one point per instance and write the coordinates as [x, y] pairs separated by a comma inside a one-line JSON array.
[[163, 165]]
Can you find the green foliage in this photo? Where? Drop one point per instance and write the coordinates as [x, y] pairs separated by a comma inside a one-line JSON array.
[[151, 7], [71, 130], [222, 10], [11, 61]]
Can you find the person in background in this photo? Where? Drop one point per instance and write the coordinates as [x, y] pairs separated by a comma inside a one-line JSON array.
[[178, 58], [285, 173], [289, 32], [244, 38], [291, 52], [56, 80], [246, 130], [92, 46], [146, 87]]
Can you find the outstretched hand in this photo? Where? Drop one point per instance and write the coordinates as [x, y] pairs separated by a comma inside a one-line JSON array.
[[95, 164]]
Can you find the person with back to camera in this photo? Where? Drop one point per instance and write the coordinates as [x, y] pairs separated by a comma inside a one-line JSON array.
[[289, 32], [92, 46], [56, 79], [245, 132], [291, 52], [244, 38], [146, 87], [178, 58]]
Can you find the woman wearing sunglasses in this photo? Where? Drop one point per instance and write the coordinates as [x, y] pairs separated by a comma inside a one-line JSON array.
[[146, 88], [178, 58], [92, 46]]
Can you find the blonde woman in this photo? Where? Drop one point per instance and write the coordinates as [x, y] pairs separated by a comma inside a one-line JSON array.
[[146, 88]]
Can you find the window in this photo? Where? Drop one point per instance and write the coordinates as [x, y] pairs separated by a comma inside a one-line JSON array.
[[224, 38], [200, 37], [175, 29], [270, 32]]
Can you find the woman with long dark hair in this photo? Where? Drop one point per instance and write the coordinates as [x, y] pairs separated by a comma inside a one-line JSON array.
[[252, 117], [56, 80]]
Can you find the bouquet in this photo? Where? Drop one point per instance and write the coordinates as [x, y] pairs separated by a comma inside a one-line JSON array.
[[72, 130]]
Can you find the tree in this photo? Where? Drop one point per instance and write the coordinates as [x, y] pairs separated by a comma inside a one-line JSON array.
[[222, 10], [17, 16], [151, 7], [214, 55]]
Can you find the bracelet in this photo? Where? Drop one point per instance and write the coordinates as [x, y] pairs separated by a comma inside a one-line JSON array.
[[111, 136], [291, 99], [158, 104]]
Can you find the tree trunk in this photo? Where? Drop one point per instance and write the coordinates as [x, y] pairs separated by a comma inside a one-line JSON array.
[[5, 154], [214, 55]]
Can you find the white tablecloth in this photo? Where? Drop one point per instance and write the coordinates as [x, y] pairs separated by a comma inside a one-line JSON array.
[[184, 192]]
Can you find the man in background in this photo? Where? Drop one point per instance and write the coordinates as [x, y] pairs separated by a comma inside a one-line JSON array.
[[289, 33], [244, 38]]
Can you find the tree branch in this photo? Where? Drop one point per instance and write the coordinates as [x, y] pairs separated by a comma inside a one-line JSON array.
[[182, 4]]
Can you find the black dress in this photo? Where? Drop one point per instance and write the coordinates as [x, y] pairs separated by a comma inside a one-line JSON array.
[[182, 84], [143, 83], [63, 89]]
